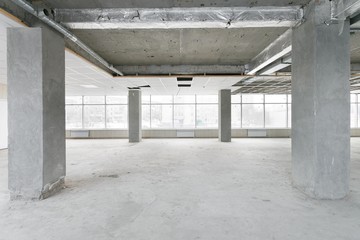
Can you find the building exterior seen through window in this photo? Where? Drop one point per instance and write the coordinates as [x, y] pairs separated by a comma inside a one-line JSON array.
[[185, 112]]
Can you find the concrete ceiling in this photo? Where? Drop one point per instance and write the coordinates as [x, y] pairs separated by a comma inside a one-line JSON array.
[[179, 46], [83, 78], [168, 3], [355, 47]]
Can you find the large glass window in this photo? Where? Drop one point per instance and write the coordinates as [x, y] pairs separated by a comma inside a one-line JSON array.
[[289, 116], [184, 116], [161, 116], [74, 116], [275, 115], [207, 98], [73, 100], [116, 100], [275, 98], [94, 99], [161, 99], [235, 115], [184, 99], [253, 98], [94, 116], [252, 115], [207, 116], [116, 116], [186, 111], [145, 116]]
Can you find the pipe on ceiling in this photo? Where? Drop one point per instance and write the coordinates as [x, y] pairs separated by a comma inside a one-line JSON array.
[[43, 17]]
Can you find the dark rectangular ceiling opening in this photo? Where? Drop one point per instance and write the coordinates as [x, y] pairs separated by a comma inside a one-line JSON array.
[[184, 79]]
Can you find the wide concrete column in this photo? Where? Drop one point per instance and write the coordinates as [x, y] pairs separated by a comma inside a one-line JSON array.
[[134, 108], [225, 115], [321, 105], [36, 100]]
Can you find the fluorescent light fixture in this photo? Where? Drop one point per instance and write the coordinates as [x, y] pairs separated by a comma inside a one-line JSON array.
[[89, 86]]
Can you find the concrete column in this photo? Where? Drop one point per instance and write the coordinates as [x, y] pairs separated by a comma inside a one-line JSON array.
[[225, 115], [36, 101], [134, 108], [321, 105]]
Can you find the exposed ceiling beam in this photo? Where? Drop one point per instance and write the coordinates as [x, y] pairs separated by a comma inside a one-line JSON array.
[[165, 18], [182, 69], [43, 16], [276, 66], [277, 49]]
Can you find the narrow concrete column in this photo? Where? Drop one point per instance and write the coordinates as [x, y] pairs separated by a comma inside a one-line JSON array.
[[134, 108], [321, 105], [36, 100], [225, 115]]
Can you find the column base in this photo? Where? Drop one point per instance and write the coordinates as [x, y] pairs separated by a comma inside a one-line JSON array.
[[314, 194], [48, 191]]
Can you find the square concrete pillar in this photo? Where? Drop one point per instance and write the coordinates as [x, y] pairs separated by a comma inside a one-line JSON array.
[[321, 105], [36, 100], [134, 108], [225, 115]]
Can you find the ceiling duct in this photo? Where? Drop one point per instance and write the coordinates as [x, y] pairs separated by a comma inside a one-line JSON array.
[[42, 15]]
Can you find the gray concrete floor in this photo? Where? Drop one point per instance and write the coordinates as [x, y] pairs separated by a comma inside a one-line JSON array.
[[180, 189]]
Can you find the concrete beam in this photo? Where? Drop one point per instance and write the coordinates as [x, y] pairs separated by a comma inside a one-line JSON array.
[[277, 49], [165, 18], [182, 69]]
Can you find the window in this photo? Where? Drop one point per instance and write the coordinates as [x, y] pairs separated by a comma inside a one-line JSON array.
[[252, 115], [186, 111], [94, 100], [184, 116], [73, 100], [273, 98], [207, 116], [161, 116], [275, 115], [74, 116], [94, 116], [207, 99], [116, 116], [253, 98], [161, 99], [235, 115], [145, 116], [116, 99], [235, 98], [184, 99], [289, 116]]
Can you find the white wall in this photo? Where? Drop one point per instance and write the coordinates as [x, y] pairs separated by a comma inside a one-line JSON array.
[[3, 124]]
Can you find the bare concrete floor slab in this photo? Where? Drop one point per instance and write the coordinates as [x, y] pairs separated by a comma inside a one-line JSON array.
[[180, 189]]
